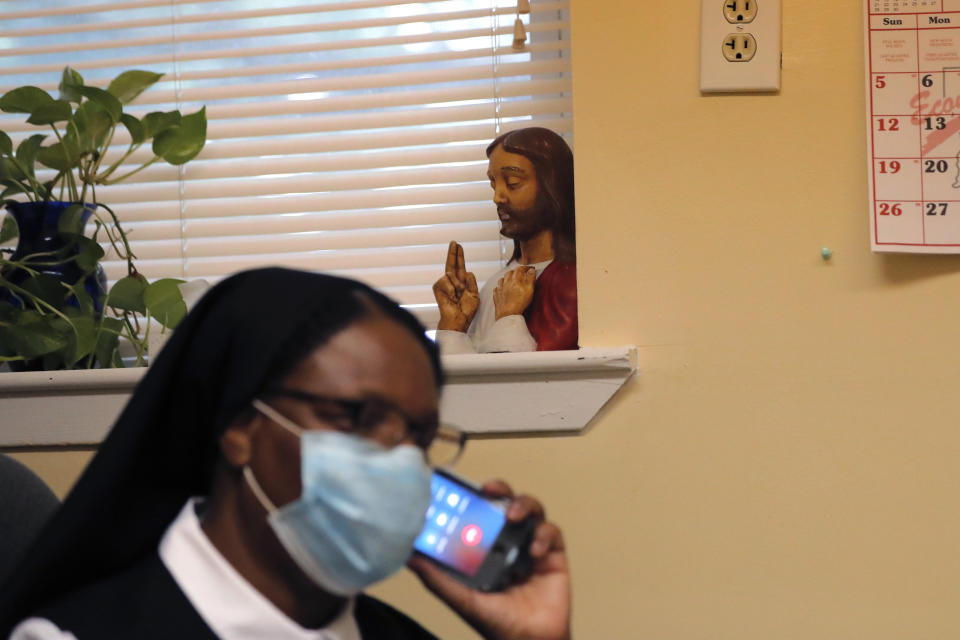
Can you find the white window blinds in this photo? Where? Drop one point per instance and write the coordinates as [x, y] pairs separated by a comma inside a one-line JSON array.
[[345, 137]]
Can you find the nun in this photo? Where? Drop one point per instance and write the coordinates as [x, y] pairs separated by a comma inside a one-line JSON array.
[[270, 466]]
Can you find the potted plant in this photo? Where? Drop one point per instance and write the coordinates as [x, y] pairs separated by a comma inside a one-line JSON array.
[[55, 311]]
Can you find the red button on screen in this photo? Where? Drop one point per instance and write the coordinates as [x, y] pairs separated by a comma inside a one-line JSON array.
[[471, 535]]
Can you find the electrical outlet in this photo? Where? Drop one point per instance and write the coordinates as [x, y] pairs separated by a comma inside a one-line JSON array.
[[740, 45], [740, 11]]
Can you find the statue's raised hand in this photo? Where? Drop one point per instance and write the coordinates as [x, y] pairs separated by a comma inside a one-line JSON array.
[[456, 292]]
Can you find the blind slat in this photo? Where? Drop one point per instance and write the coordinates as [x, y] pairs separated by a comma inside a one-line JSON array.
[[335, 181], [304, 222], [429, 257], [248, 14], [268, 242], [72, 9], [226, 207]]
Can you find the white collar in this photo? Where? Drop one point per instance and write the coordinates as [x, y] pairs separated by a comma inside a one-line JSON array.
[[537, 266], [230, 605]]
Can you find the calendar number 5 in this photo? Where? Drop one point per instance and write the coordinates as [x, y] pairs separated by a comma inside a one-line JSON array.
[[880, 82]]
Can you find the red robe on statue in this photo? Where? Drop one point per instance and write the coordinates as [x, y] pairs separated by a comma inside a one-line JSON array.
[[552, 314]]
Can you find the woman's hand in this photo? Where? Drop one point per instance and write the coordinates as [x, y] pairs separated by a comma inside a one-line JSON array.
[[537, 608]]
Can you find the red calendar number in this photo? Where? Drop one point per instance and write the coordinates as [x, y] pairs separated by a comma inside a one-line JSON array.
[[880, 82], [891, 166], [888, 124], [887, 209]]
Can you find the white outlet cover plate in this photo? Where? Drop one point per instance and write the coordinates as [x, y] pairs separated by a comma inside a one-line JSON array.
[[762, 72]]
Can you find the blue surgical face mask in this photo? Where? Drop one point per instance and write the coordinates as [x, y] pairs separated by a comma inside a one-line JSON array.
[[360, 509]]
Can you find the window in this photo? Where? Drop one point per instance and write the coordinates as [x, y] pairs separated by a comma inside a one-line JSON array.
[[343, 136]]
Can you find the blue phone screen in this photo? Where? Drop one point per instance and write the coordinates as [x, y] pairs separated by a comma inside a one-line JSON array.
[[460, 526]]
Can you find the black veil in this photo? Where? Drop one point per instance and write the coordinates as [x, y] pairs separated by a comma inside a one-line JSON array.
[[163, 447]]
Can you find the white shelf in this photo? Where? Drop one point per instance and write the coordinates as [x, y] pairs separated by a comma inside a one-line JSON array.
[[486, 394]]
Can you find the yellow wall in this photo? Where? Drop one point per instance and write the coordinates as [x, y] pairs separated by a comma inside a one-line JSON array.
[[785, 466]]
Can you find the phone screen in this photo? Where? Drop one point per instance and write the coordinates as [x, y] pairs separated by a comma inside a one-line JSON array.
[[460, 527]]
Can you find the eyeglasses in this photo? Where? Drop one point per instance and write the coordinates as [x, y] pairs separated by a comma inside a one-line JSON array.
[[380, 419]]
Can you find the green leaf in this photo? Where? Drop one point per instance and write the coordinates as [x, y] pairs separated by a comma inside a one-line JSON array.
[[134, 127], [8, 312], [82, 341], [179, 145], [35, 335], [13, 187], [7, 352], [83, 299], [108, 339], [6, 144], [106, 100], [24, 100], [69, 82], [8, 229], [165, 302], [129, 84], [8, 169], [62, 156], [89, 255], [54, 361], [71, 220], [127, 294], [157, 121], [93, 124], [56, 111], [46, 288], [27, 152]]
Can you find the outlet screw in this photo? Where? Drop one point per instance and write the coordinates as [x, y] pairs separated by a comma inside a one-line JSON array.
[[826, 253]]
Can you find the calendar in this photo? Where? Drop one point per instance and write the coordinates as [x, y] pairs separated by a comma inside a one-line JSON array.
[[913, 124]]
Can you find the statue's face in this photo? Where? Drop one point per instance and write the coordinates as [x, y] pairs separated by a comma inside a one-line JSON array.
[[513, 179]]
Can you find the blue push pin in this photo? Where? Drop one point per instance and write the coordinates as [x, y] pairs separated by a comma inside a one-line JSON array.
[[826, 253]]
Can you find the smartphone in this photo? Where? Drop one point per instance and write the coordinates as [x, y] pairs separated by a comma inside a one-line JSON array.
[[468, 535]]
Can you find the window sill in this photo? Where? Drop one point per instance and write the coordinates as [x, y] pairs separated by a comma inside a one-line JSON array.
[[486, 395]]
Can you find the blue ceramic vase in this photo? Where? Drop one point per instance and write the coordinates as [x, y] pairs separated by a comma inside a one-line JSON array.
[[38, 226]]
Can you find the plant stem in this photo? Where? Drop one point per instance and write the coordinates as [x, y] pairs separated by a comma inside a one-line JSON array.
[[68, 174], [38, 301], [101, 153], [34, 184], [102, 178], [20, 265], [129, 256], [127, 175], [134, 339]]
